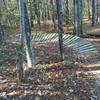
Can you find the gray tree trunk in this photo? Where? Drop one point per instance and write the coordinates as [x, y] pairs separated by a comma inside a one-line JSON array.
[[97, 11], [29, 49], [37, 13], [60, 28], [67, 11], [93, 13], [78, 18], [1, 34], [53, 16], [21, 50]]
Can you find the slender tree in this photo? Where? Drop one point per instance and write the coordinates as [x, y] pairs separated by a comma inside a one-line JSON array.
[[78, 17], [29, 49], [31, 13], [21, 50], [67, 11], [88, 5], [93, 13], [37, 12], [97, 10], [53, 15], [60, 28]]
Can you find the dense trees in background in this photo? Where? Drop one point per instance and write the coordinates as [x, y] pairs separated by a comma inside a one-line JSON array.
[[40, 11]]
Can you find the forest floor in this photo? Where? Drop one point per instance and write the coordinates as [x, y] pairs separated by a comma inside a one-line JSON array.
[[70, 81]]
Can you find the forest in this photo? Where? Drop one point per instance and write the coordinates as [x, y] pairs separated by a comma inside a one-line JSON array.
[[49, 49]]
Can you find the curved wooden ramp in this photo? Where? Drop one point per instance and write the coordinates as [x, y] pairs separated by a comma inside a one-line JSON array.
[[78, 44]]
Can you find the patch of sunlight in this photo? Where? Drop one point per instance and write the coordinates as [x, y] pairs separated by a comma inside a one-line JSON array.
[[95, 30], [70, 27], [94, 69], [96, 73], [96, 40], [93, 65], [12, 93], [2, 94]]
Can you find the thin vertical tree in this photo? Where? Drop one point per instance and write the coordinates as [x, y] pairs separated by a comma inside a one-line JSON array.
[[97, 10], [67, 11], [37, 12], [21, 49], [53, 15], [88, 5], [31, 13], [78, 17], [1, 29], [25, 32], [93, 13], [60, 28], [29, 47]]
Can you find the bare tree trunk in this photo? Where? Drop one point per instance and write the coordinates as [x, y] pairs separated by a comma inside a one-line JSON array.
[[53, 16], [31, 13], [60, 28], [37, 13], [29, 49], [78, 18], [93, 13], [1, 30], [67, 11], [21, 50], [97, 10], [88, 4]]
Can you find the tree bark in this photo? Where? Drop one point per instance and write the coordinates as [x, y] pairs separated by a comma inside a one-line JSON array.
[[78, 18], [37, 13], [53, 16], [60, 28], [21, 50], [93, 13], [89, 14], [29, 49]]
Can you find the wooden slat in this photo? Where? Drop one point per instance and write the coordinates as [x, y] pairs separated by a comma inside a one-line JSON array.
[[77, 43]]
